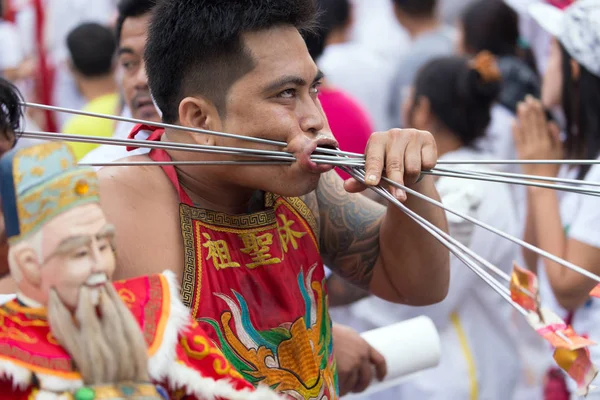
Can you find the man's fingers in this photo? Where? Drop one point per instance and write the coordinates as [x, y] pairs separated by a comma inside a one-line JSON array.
[[375, 158], [365, 376], [394, 165], [347, 386], [353, 186], [412, 162], [378, 360]]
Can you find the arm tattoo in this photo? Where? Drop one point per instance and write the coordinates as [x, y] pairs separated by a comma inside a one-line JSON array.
[[349, 226]]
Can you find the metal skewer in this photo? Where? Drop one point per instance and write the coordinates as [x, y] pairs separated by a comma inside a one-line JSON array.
[[564, 188], [452, 244], [521, 176], [511, 238], [180, 128], [462, 247]]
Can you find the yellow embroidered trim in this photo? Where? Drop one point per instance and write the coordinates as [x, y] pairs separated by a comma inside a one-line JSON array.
[[19, 358], [243, 221], [197, 284], [464, 346], [305, 212], [188, 282], [164, 317]]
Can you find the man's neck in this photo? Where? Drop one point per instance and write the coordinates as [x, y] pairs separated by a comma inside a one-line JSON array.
[[92, 89], [208, 190], [417, 26]]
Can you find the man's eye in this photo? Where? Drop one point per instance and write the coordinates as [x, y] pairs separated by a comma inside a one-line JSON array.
[[288, 94], [316, 89]]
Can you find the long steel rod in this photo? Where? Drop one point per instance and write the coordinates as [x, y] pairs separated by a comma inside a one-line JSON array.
[[160, 145], [563, 188], [179, 127], [519, 162], [520, 176], [447, 241], [269, 155], [175, 163], [498, 232], [461, 246]]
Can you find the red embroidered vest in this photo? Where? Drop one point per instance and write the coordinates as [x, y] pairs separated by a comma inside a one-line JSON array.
[[256, 284]]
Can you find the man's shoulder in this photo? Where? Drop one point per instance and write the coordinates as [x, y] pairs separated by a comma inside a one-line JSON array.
[[135, 178]]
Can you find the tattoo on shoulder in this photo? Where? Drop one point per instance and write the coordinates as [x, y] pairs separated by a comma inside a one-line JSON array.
[[349, 230]]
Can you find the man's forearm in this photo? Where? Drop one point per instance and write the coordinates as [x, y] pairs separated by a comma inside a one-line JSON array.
[[415, 262]]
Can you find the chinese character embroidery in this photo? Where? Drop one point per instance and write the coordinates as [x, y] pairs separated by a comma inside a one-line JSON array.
[[288, 235], [219, 252], [258, 247]]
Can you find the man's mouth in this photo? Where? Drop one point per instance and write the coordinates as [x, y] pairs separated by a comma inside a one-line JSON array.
[[305, 157]]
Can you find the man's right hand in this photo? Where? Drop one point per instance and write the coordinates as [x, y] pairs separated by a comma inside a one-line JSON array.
[[355, 359]]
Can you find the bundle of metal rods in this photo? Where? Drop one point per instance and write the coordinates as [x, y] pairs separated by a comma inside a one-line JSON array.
[[354, 165]]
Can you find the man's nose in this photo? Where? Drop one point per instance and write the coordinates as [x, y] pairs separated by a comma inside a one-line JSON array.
[[311, 116]]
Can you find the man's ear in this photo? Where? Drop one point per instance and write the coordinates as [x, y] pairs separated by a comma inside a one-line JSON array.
[[197, 112], [29, 265]]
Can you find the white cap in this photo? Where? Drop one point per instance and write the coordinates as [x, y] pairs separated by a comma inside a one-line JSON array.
[[577, 27]]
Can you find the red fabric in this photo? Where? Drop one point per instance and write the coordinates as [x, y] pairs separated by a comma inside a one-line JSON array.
[[32, 346], [46, 71], [259, 278], [9, 393], [349, 122]]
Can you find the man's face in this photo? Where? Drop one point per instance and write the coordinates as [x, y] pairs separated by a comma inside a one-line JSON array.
[[76, 250], [278, 100], [131, 60]]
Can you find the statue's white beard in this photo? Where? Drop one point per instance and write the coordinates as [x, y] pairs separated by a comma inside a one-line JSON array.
[[102, 336]]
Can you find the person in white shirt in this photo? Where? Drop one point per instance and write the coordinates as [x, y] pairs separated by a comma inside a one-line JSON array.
[[451, 98], [430, 38], [566, 224], [132, 30], [357, 66], [62, 16]]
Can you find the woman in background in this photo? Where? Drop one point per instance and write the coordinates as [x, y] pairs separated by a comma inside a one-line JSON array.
[[452, 98], [566, 224]]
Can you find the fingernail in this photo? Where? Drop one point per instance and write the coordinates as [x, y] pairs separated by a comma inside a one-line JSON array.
[[400, 194], [372, 179]]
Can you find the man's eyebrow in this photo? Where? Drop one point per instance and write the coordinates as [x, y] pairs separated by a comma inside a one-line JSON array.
[[293, 80], [320, 75], [125, 50]]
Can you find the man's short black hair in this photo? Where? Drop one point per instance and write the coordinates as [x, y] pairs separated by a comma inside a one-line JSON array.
[[333, 14], [195, 46], [92, 49], [417, 8], [131, 9]]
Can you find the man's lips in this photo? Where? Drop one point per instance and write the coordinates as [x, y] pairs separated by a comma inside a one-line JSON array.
[[304, 157]]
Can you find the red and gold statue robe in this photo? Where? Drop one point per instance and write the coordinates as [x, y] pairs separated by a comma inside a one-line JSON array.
[[182, 358]]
